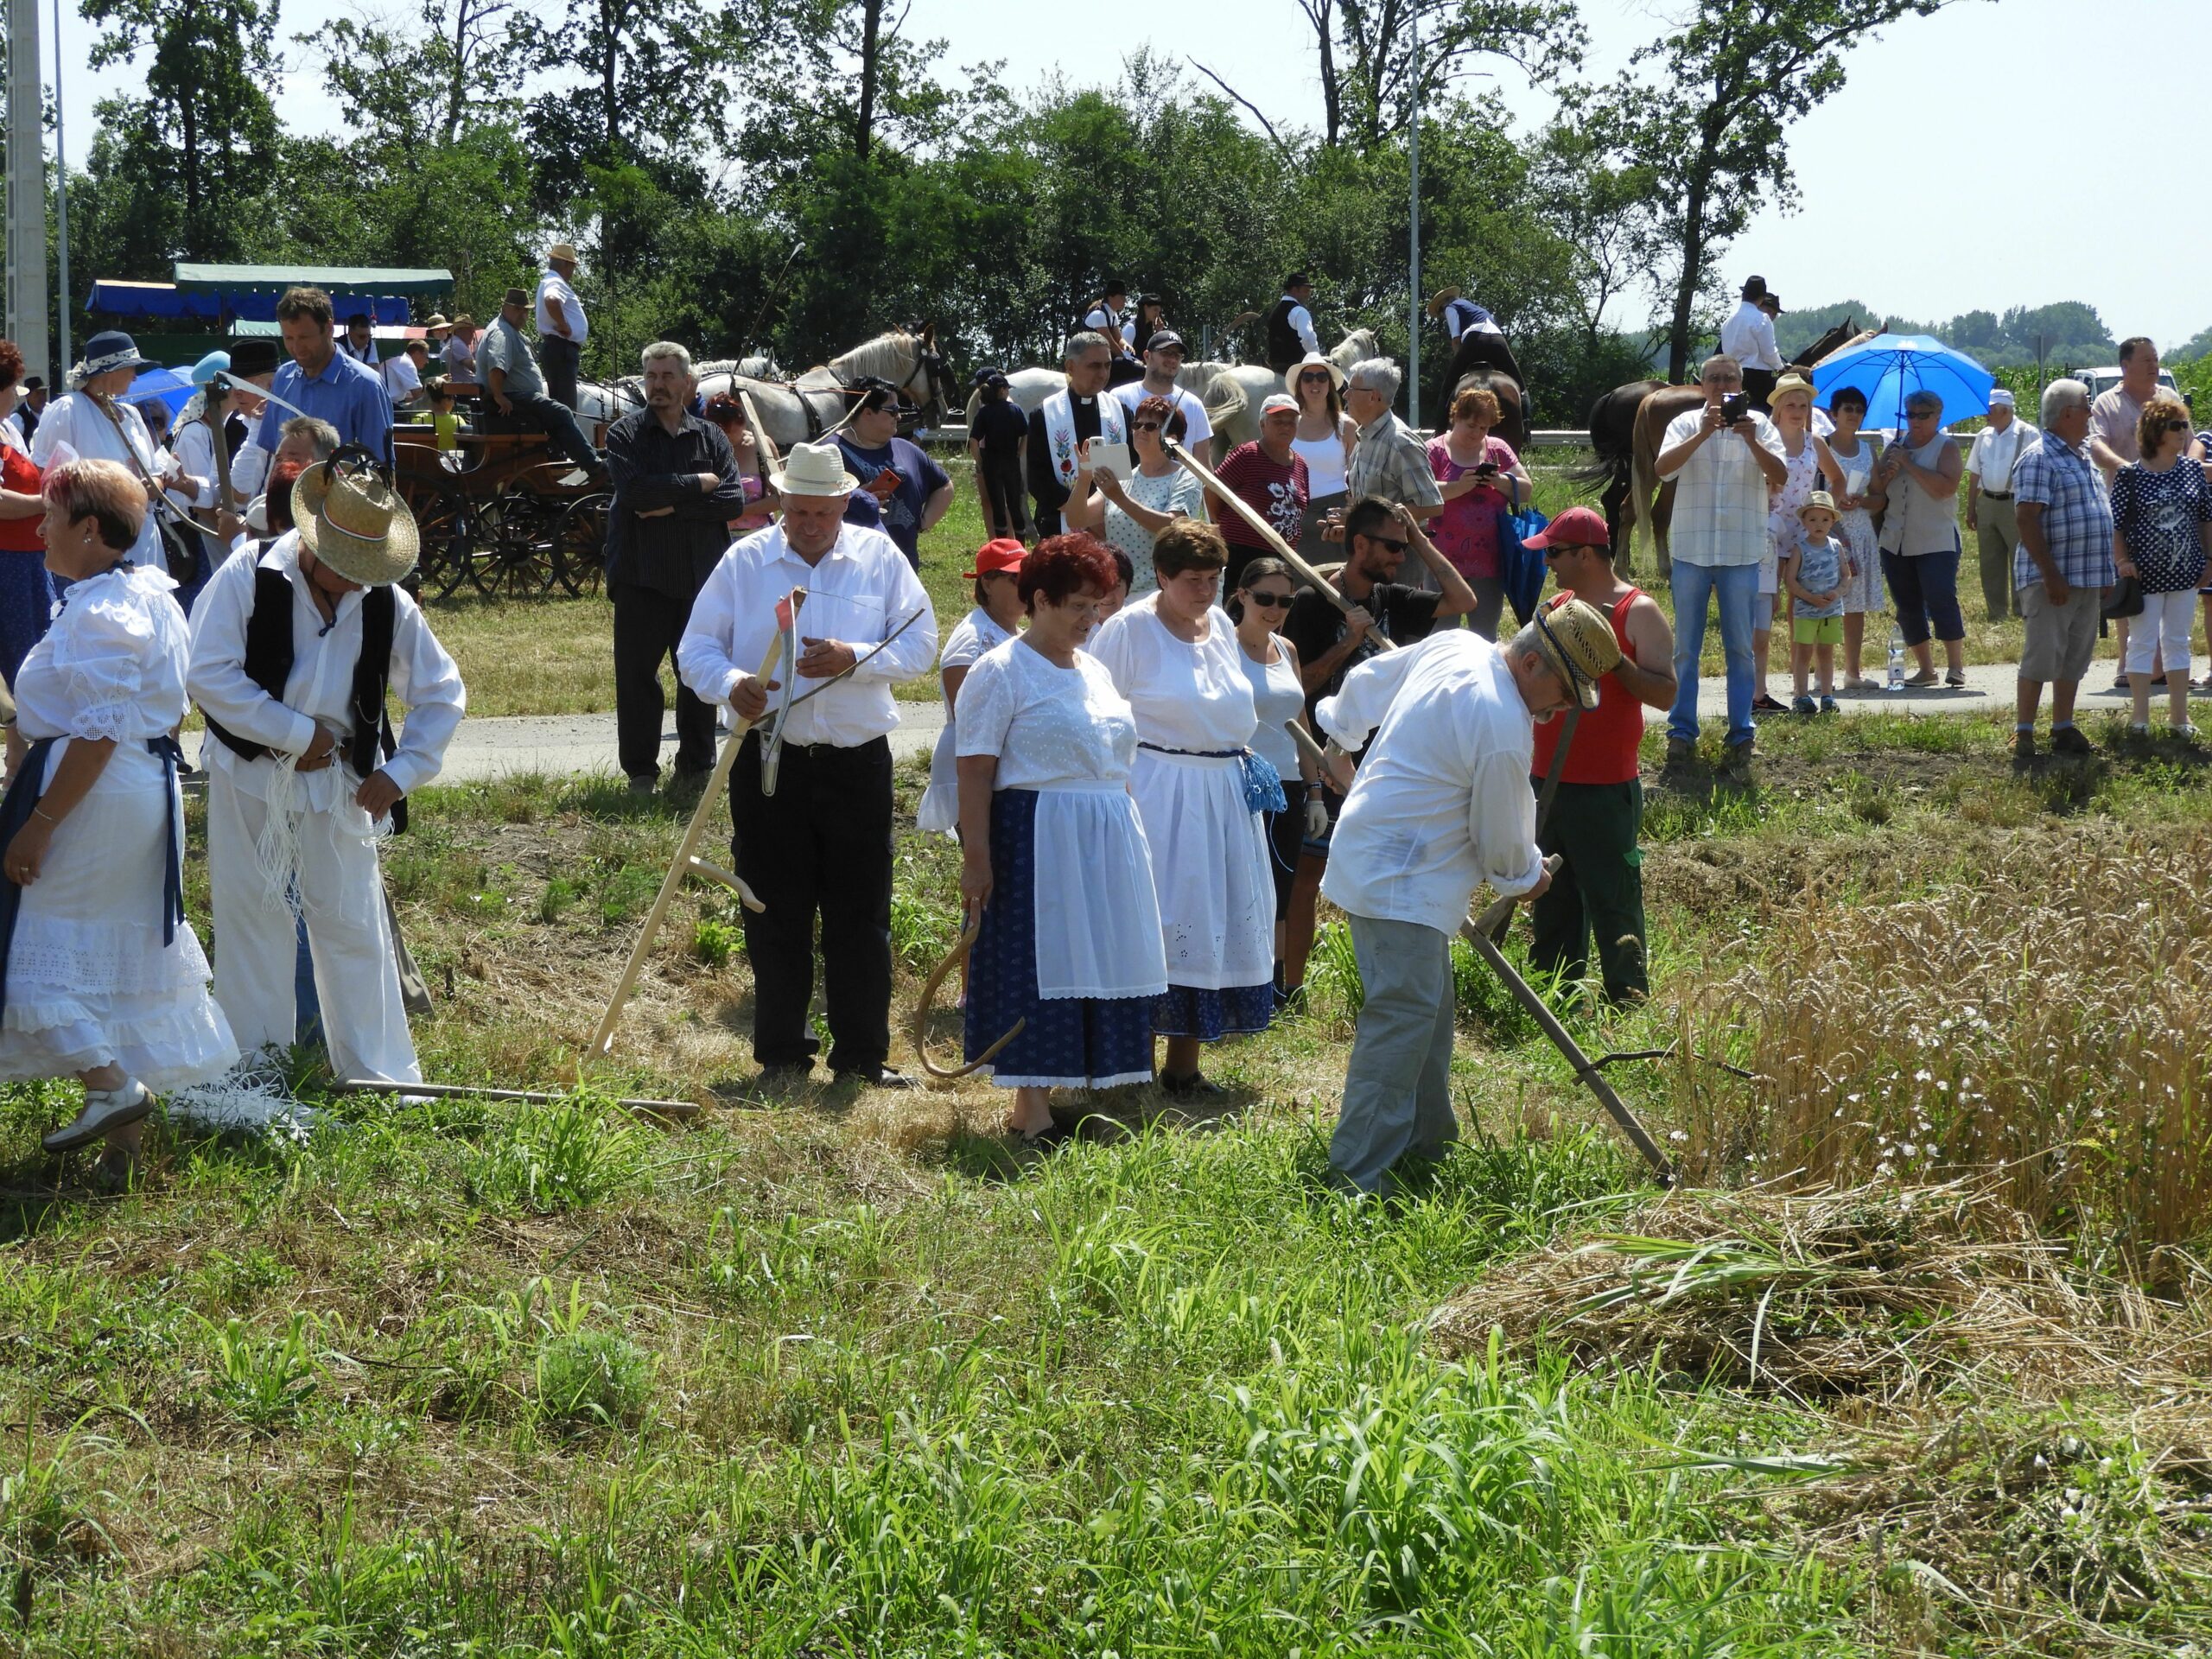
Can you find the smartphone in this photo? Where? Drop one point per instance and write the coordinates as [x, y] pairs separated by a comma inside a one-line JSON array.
[[1734, 407], [1110, 458]]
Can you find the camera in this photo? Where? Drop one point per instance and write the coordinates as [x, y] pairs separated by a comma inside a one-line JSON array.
[[1734, 407]]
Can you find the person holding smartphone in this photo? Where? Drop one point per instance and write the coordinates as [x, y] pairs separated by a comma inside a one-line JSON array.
[[910, 491]]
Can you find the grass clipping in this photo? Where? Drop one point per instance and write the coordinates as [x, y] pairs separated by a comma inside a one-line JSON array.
[[1881, 1290]]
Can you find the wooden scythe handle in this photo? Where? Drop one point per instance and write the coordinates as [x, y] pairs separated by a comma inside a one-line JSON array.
[[1198, 469], [917, 1028]]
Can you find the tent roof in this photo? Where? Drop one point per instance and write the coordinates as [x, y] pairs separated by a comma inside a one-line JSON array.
[[274, 279]]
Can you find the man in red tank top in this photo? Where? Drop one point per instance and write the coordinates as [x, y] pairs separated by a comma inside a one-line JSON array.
[[1599, 809]]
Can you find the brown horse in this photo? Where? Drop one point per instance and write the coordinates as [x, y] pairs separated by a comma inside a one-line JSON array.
[[1512, 419], [1626, 426]]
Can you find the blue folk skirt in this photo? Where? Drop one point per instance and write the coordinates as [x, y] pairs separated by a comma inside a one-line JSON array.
[[27, 596], [1072, 1042]]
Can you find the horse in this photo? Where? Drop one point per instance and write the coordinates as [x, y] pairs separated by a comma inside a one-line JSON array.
[[1626, 426], [803, 410], [600, 403], [1233, 392]]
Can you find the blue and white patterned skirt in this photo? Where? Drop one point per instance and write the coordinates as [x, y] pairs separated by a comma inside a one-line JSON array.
[[1072, 1042]]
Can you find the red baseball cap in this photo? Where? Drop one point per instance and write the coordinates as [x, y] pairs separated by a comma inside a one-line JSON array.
[[1004, 554], [1576, 527]]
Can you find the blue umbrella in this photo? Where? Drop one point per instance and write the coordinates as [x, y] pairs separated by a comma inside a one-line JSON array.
[[161, 385], [1889, 368]]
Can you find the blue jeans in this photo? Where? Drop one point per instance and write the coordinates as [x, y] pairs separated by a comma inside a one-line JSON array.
[[1737, 588]]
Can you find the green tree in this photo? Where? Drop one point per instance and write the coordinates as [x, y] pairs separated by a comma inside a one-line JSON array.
[[1728, 84]]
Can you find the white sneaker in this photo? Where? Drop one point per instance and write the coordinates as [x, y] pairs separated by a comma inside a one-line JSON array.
[[104, 1109]]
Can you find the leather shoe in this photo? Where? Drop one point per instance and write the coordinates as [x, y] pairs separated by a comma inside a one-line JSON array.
[[883, 1078]]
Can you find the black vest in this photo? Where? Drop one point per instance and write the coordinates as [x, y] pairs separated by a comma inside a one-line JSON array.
[[1285, 349], [269, 664]]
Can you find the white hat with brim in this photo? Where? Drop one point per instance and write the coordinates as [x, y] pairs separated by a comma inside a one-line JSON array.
[[1311, 360], [356, 524], [815, 469]]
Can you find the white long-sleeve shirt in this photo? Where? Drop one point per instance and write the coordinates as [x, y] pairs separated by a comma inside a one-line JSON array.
[[859, 591], [1748, 336], [74, 428], [320, 689], [1442, 803]]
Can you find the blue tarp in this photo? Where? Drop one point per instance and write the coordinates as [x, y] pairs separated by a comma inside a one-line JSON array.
[[167, 300]]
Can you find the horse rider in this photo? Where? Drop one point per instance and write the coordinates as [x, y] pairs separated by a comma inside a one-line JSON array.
[[1290, 324], [1108, 319], [1748, 336], [1476, 340]]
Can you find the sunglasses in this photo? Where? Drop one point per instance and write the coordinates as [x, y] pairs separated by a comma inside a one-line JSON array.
[[1393, 542], [2175, 426], [1558, 547], [1269, 601], [1318, 375], [1144, 426]]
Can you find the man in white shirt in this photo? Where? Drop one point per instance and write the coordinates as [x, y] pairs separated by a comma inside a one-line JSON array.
[[1724, 462], [817, 838], [314, 694], [1997, 446], [403, 376], [561, 326], [1441, 805], [1163, 357], [1748, 336]]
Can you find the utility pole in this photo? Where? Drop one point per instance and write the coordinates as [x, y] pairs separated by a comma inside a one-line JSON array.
[[25, 212], [1413, 261], [59, 380]]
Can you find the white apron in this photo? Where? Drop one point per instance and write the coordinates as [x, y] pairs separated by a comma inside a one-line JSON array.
[[1097, 920]]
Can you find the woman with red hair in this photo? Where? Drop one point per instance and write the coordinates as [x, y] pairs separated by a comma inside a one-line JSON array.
[[26, 587], [1052, 854]]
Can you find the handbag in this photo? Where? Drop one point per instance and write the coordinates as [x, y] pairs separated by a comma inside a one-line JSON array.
[[1521, 565], [2125, 600]]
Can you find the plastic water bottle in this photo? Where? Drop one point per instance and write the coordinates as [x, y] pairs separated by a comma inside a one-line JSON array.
[[1897, 657]]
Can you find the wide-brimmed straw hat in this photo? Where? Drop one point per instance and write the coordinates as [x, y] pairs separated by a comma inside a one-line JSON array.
[[1822, 500], [1788, 384], [437, 322], [815, 469], [353, 522], [1442, 297], [561, 251], [1577, 642], [1311, 360]]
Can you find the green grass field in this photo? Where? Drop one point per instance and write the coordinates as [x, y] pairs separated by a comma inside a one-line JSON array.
[[831, 1372], [556, 656]]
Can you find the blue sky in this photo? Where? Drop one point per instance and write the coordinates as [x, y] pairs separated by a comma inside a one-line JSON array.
[[1965, 164]]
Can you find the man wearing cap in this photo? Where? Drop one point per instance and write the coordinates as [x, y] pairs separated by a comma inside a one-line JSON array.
[[1107, 319], [1268, 476], [911, 491], [1997, 449], [1748, 336], [293, 655], [561, 326], [1599, 810], [677, 487], [1440, 805], [459, 352], [1163, 358], [518, 391], [998, 437], [817, 839], [322, 381], [253, 359], [1290, 326], [1064, 423]]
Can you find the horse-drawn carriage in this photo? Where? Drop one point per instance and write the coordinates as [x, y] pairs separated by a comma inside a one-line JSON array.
[[497, 517]]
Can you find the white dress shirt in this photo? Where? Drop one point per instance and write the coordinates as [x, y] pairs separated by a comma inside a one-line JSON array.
[[74, 428], [1301, 324], [1994, 455], [401, 381], [552, 286], [1441, 803], [194, 446], [320, 689], [860, 592], [1748, 336]]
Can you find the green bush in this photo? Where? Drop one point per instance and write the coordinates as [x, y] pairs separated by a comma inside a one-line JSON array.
[[714, 943], [592, 1379]]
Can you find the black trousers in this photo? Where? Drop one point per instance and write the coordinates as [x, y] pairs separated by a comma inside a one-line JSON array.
[[1758, 386], [648, 626], [821, 844], [560, 359]]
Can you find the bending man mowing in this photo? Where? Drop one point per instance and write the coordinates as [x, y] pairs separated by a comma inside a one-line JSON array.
[[1440, 805]]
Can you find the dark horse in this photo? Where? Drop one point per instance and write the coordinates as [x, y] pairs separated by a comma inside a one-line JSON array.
[[1486, 362], [1625, 425]]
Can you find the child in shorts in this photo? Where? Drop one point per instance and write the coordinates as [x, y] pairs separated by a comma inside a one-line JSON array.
[[1816, 574]]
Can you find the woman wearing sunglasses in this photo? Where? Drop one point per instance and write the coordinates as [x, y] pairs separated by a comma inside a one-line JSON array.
[[1325, 439], [2162, 534], [1130, 516], [1271, 664]]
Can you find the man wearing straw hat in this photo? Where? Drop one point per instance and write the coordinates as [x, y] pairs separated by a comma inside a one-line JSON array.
[[813, 824], [293, 655], [1440, 805], [561, 326]]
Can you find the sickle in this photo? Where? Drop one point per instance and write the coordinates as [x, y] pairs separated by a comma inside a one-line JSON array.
[[918, 1028]]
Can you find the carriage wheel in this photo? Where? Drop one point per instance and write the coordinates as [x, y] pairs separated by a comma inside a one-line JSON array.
[[580, 546], [446, 527], [514, 551]]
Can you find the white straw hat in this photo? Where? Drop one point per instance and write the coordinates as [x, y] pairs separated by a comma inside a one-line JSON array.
[[353, 522], [815, 469]]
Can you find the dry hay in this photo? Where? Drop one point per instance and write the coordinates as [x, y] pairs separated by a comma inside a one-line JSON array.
[[1882, 1291]]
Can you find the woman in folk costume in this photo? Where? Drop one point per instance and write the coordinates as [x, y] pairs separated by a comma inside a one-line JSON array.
[[1200, 791], [995, 620], [293, 653], [1053, 853], [93, 422], [104, 980]]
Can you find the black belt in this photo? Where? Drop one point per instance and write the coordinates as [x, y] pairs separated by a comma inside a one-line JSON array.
[[1195, 755], [1996, 495], [754, 737]]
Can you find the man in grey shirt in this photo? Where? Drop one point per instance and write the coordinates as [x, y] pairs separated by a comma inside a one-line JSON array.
[[517, 390]]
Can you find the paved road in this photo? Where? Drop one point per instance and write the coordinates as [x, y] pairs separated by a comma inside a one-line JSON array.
[[556, 744]]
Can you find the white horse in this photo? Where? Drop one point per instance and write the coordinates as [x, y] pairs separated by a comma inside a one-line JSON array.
[[801, 411]]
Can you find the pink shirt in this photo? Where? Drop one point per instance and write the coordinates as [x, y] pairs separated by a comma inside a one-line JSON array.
[[1467, 534]]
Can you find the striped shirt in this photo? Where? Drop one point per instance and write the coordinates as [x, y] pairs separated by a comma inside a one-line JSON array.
[[2076, 515], [1391, 462]]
